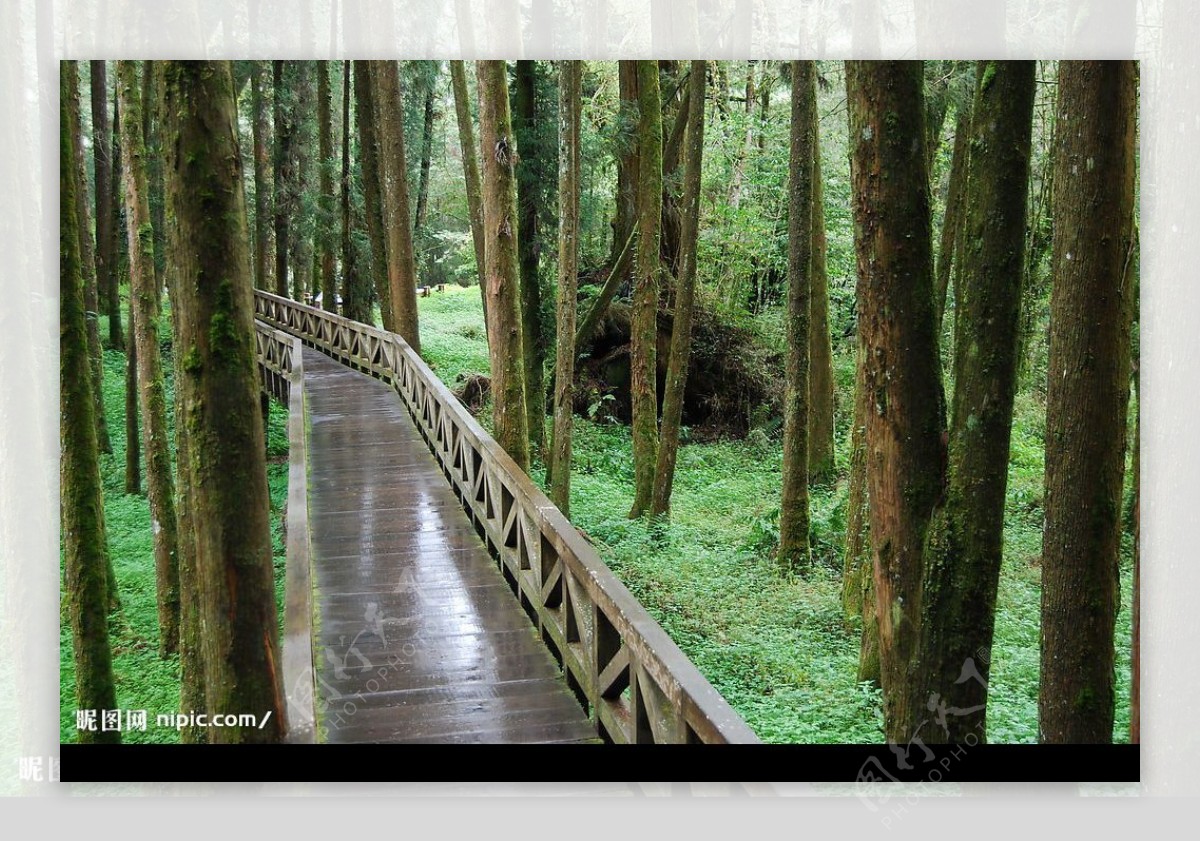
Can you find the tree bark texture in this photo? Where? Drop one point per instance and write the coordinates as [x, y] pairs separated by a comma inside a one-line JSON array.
[[226, 484], [160, 486], [502, 272], [1087, 397], [85, 546], [793, 505]]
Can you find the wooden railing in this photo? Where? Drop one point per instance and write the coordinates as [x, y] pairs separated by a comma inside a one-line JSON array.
[[635, 683], [281, 368]]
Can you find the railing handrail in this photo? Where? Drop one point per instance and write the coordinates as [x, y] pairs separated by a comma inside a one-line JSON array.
[[707, 715]]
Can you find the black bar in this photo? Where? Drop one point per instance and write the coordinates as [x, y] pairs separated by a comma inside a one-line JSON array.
[[599, 763]]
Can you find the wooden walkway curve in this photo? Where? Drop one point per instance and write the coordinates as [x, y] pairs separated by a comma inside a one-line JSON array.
[[419, 636], [434, 594]]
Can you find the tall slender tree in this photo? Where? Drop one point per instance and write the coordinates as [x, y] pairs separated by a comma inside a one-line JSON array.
[[368, 144], [793, 505], [91, 292], [685, 291], [570, 75], [901, 377], [529, 171], [144, 300], [470, 160], [283, 173], [225, 466], [106, 231], [402, 271], [356, 289], [643, 343], [1087, 397], [85, 549], [820, 344], [501, 272], [262, 165], [325, 213]]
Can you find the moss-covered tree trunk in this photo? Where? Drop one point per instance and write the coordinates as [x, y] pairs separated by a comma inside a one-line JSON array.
[[106, 230], [905, 446], [951, 220], [402, 271], [1087, 397], [625, 220], [570, 105], [325, 213], [643, 340], [470, 161], [858, 579], [85, 549], [133, 450], [218, 383], [262, 166], [368, 145], [356, 290], [820, 343], [529, 169], [303, 256], [964, 546], [793, 504], [283, 175], [500, 226], [143, 295], [91, 291], [421, 212], [685, 294]]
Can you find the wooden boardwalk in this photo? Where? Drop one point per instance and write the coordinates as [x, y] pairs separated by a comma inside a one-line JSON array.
[[416, 635]]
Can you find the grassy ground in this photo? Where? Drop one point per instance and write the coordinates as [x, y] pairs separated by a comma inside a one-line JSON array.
[[144, 680], [775, 645]]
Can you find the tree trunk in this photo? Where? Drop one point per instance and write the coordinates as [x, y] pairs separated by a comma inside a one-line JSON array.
[[91, 291], [261, 167], [570, 105], [643, 339], [858, 579], [304, 228], [226, 463], [905, 449], [133, 451], [528, 191], [402, 273], [793, 505], [85, 547], [154, 174], [955, 197], [1087, 397], [470, 159], [283, 175], [685, 290], [106, 232], [422, 210], [356, 292], [509, 416], [368, 140], [325, 222], [964, 544], [144, 301], [820, 343], [599, 306], [625, 221]]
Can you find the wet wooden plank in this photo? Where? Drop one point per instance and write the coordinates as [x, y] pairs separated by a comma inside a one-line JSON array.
[[417, 636]]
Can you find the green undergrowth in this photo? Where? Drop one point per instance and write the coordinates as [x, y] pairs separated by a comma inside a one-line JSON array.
[[144, 680], [774, 644]]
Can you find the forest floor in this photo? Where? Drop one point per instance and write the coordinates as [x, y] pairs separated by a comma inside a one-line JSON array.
[[144, 680], [775, 644]]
